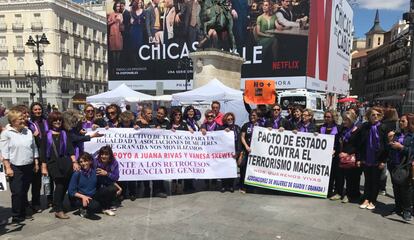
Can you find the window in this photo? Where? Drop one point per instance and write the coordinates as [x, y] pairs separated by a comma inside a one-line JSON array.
[[369, 42], [75, 27], [3, 41], [18, 18], [379, 41], [318, 103], [37, 17], [3, 64], [2, 18], [20, 64], [19, 41]]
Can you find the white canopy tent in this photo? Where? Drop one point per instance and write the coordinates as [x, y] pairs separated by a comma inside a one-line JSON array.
[[120, 95], [231, 99]]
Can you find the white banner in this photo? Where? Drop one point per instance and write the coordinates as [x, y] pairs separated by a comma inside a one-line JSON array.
[[156, 154], [3, 182], [298, 163]]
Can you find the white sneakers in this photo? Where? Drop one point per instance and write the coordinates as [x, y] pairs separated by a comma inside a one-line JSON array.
[[367, 205], [108, 212]]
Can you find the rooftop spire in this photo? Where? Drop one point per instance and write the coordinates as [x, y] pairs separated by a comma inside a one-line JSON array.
[[376, 28]]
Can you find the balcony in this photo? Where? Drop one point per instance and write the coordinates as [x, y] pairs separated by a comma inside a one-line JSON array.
[[64, 51], [4, 49], [64, 28], [18, 49], [88, 77], [4, 73], [36, 26], [78, 55], [78, 76], [17, 26], [3, 26], [87, 57], [87, 36], [66, 74], [19, 73], [77, 34]]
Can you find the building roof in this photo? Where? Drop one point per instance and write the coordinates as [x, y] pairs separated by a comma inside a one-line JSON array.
[[376, 28], [360, 53]]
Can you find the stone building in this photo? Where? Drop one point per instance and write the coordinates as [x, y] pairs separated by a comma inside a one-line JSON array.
[[74, 61]]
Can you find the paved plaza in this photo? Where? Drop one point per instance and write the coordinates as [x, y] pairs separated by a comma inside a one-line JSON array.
[[224, 216]]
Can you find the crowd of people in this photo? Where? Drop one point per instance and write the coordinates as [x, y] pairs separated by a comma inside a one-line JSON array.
[[36, 145]]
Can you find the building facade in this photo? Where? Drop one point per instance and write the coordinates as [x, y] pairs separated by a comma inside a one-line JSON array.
[[75, 61]]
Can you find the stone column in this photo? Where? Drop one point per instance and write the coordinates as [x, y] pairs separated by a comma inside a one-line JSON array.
[[213, 63]]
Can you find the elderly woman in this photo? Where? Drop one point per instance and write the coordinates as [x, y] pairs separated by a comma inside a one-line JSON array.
[[400, 144], [372, 154], [60, 161], [307, 125], [19, 152]]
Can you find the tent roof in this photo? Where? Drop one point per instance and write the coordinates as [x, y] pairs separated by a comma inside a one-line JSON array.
[[119, 94], [212, 91]]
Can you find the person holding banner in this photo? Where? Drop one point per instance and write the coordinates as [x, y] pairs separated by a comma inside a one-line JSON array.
[[307, 125], [146, 121], [373, 155], [112, 113], [59, 162], [336, 180], [296, 117], [229, 125], [348, 147], [38, 125], [90, 121], [246, 138], [401, 143], [277, 121], [191, 116], [19, 152]]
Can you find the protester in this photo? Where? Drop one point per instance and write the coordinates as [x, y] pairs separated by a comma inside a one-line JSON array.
[[90, 120], [107, 171], [348, 146], [229, 120], [20, 159], [246, 138], [372, 155], [307, 125], [401, 144], [39, 127], [277, 121], [112, 113], [191, 116], [59, 162], [296, 118], [215, 107]]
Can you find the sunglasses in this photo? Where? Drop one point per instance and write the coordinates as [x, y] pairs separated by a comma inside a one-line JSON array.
[[57, 120], [276, 109], [210, 116], [111, 113], [89, 111], [230, 119]]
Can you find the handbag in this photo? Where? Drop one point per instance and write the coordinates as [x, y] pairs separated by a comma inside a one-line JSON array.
[[347, 161], [401, 173], [63, 163]]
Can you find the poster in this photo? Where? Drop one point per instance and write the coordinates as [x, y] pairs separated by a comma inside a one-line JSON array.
[[156, 154], [260, 92], [298, 163], [150, 41]]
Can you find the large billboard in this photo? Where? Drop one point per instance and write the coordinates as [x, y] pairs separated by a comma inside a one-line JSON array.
[[149, 41]]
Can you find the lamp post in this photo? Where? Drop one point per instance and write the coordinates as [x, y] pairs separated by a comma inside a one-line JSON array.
[[187, 64], [408, 104], [30, 77], [40, 40]]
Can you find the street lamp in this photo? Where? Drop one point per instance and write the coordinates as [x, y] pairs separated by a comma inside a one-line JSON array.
[[408, 104], [30, 77], [40, 40]]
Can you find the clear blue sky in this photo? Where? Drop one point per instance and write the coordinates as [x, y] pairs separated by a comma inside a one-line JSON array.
[[390, 11]]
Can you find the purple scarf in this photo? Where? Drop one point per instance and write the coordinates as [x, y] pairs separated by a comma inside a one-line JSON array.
[[334, 129], [347, 134], [373, 144], [192, 123], [62, 146], [276, 122], [261, 121], [87, 124], [34, 125], [397, 156], [211, 127], [304, 127]]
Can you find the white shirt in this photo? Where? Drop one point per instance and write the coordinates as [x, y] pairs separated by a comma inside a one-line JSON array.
[[285, 22], [18, 147]]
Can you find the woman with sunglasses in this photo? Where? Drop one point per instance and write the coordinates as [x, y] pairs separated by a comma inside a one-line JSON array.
[[330, 127], [277, 121], [372, 139], [400, 143], [210, 125], [306, 125], [191, 116], [90, 121], [112, 113], [39, 127], [177, 123], [246, 138], [60, 161], [229, 124]]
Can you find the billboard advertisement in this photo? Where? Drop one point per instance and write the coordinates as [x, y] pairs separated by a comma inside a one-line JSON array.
[[149, 41]]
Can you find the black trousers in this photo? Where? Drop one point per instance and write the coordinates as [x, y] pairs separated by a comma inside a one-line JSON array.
[[336, 179], [61, 186], [157, 187], [129, 188], [36, 186], [402, 193], [19, 187], [227, 182], [372, 183], [101, 200], [353, 179]]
